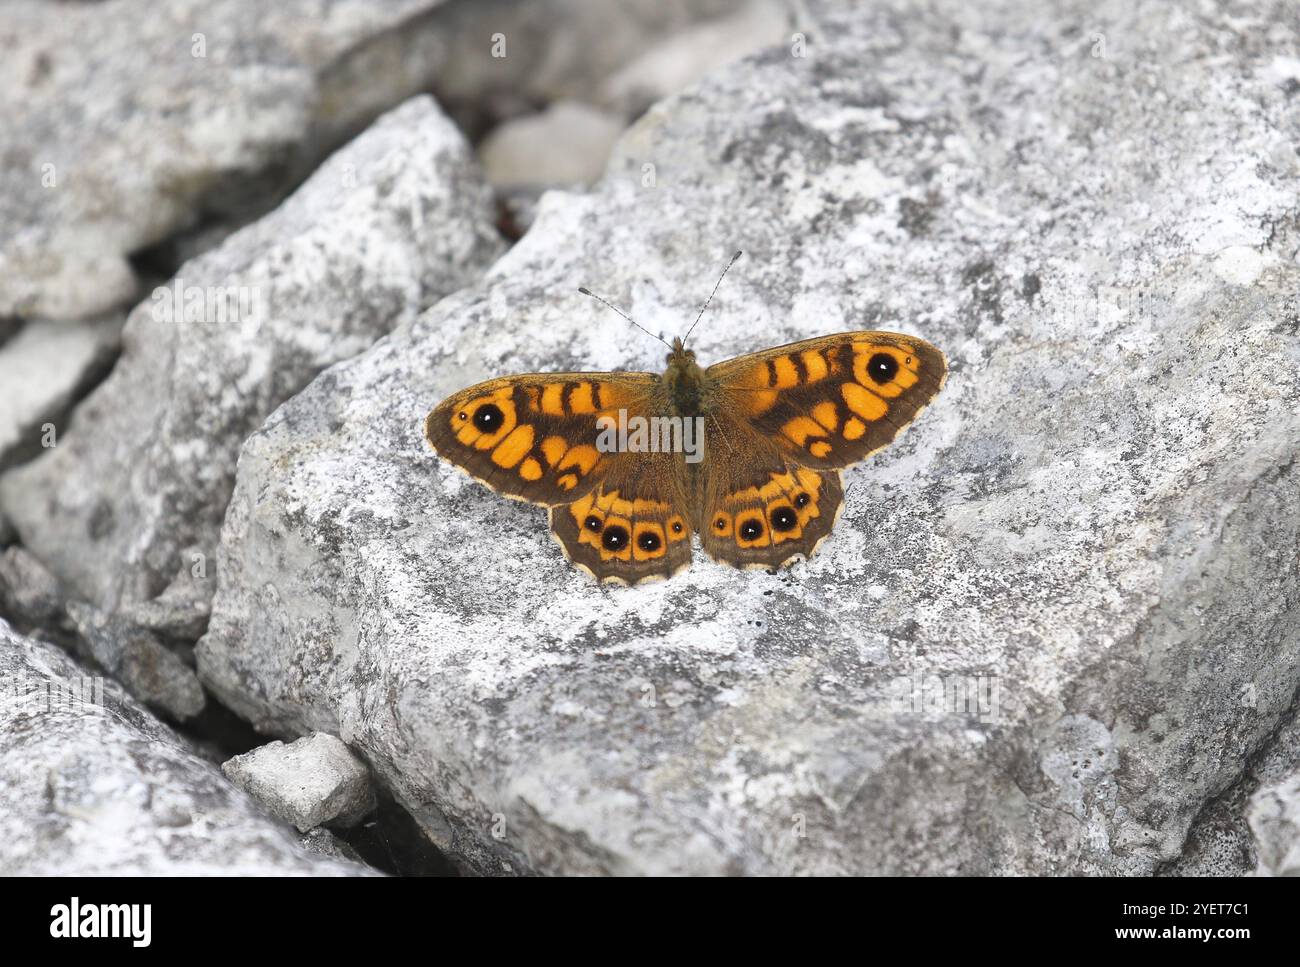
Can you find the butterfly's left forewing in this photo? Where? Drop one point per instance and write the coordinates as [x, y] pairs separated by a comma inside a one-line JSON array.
[[535, 437], [832, 401]]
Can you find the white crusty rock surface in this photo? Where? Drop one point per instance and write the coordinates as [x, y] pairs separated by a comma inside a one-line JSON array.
[[187, 111], [1091, 536], [315, 781], [131, 499], [186, 107], [92, 785]]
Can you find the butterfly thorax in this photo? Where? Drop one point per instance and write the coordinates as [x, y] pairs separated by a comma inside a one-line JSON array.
[[683, 382]]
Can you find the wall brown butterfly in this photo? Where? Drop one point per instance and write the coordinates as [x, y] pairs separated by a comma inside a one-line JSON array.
[[778, 428]]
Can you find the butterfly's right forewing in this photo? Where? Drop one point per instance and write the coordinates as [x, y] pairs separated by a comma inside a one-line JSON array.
[[782, 424], [535, 437]]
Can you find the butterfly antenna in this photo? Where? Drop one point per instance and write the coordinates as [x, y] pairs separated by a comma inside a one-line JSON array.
[[610, 305], [710, 298]]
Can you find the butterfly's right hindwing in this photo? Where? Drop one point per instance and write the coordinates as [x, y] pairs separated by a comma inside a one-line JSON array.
[[634, 526], [757, 507]]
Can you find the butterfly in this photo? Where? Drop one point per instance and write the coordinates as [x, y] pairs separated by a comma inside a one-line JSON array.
[[756, 473]]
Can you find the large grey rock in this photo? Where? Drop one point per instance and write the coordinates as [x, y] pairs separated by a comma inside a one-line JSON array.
[[240, 99], [1056, 618], [131, 499], [104, 158], [92, 785]]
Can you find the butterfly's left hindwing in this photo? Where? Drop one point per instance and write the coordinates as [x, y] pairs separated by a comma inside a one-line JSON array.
[[766, 518], [534, 437], [830, 402]]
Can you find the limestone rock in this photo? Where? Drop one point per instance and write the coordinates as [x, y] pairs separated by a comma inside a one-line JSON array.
[[232, 89], [43, 368], [93, 785], [135, 491], [194, 111], [315, 781], [1029, 644]]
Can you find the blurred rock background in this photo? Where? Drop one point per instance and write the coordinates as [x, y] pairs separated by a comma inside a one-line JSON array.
[[244, 248]]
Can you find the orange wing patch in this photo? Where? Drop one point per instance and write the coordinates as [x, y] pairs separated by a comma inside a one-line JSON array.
[[764, 379], [582, 398], [767, 525]]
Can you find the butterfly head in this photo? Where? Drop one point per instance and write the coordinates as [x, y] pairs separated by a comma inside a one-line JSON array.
[[680, 355]]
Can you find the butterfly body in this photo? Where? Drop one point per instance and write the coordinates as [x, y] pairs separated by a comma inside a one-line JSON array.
[[686, 385], [774, 430]]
